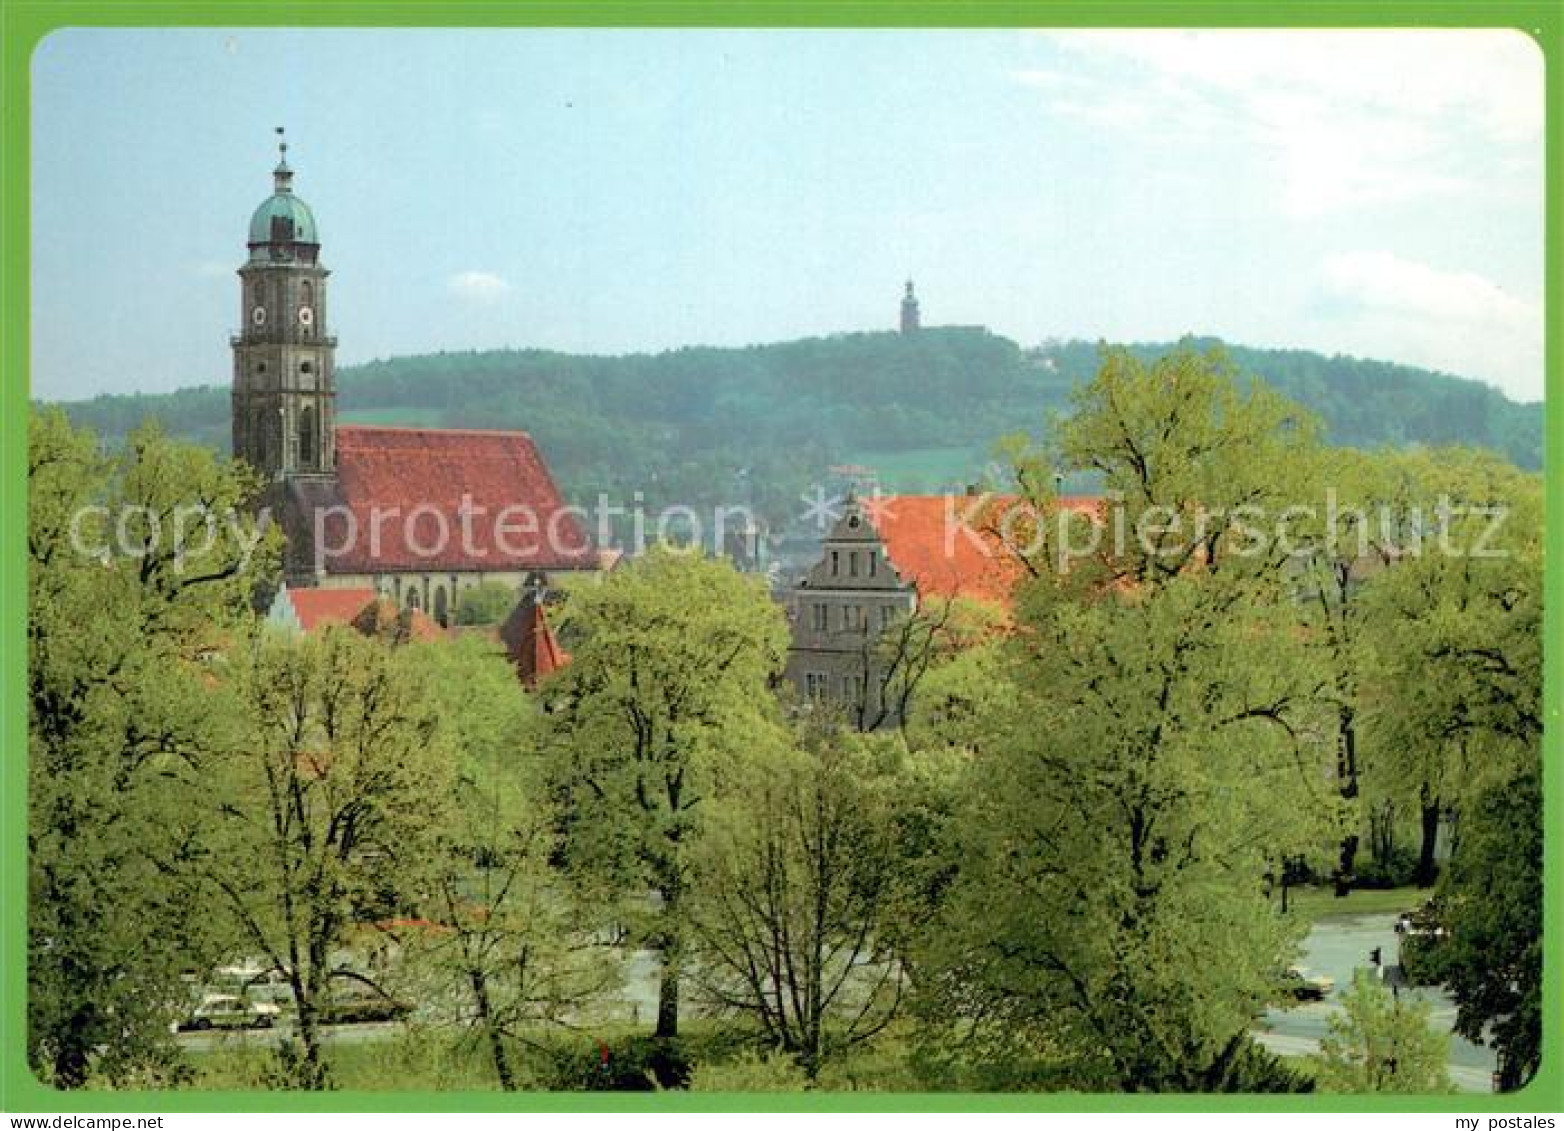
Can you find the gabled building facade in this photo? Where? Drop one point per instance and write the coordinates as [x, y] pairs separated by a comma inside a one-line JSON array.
[[839, 611], [884, 559]]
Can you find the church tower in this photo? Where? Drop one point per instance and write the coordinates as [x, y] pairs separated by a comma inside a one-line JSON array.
[[909, 311], [284, 388]]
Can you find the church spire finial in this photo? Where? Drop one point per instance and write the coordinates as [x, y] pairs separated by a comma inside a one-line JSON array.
[[282, 175]]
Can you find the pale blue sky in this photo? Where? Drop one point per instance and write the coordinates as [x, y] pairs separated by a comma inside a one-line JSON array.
[[1373, 193]]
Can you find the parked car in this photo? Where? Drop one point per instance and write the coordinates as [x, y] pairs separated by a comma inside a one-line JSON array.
[[1301, 985], [229, 1011], [249, 972], [1424, 922], [357, 1004]]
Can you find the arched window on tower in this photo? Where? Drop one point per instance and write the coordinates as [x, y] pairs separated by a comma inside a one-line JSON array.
[[307, 293], [308, 445]]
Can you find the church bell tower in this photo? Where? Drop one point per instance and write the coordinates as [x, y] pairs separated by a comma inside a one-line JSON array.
[[284, 386]]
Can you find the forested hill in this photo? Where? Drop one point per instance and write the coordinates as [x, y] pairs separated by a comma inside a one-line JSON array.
[[701, 423]]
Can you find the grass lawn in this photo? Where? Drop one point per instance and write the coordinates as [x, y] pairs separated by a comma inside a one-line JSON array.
[[1320, 902]]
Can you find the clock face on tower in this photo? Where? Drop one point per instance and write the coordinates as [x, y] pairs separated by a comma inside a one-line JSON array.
[[258, 316], [306, 316]]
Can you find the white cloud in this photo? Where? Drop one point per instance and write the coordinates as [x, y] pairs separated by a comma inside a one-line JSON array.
[[1345, 118], [478, 286], [1384, 280], [1453, 320]]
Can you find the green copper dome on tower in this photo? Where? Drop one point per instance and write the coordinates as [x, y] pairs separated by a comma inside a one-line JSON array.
[[283, 217]]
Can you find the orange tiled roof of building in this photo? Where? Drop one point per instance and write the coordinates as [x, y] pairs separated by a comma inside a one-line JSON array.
[[427, 470], [531, 644], [315, 608], [950, 545], [381, 617]]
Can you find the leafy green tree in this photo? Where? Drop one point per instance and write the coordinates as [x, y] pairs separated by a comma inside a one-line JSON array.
[[1109, 855], [802, 891], [1117, 854], [957, 700], [330, 806], [1369, 507], [122, 724], [1491, 960], [1381, 1042], [668, 687], [1190, 458], [896, 659], [506, 930], [1454, 641]]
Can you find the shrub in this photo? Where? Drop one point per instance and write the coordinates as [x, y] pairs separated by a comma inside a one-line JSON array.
[[633, 1064], [1398, 870], [750, 1072]]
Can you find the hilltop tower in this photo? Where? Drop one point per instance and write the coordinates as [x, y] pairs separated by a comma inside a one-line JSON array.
[[910, 320], [284, 387]]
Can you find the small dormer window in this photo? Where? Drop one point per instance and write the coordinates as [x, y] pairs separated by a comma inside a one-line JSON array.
[[874, 562], [836, 563]]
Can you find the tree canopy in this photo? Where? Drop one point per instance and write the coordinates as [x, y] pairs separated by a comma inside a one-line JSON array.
[[672, 657]]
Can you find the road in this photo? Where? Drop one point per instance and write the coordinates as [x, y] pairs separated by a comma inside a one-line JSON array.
[[1337, 946], [207, 1039]]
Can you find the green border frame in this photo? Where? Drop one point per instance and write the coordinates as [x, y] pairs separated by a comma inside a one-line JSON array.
[[24, 24]]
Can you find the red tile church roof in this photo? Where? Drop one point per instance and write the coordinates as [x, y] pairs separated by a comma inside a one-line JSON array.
[[417, 477]]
